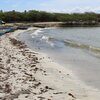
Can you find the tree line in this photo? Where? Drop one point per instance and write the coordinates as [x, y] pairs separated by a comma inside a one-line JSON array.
[[42, 16]]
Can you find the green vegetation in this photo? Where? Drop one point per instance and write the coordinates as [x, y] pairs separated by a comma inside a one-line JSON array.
[[41, 16]]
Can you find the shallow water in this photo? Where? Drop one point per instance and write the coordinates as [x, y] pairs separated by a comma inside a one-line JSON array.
[[78, 46]]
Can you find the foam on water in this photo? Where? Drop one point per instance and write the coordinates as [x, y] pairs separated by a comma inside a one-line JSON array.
[[37, 32], [45, 38]]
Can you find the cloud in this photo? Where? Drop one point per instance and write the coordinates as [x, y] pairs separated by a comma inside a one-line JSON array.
[[52, 5]]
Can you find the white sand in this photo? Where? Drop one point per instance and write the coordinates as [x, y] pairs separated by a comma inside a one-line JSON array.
[[28, 75]]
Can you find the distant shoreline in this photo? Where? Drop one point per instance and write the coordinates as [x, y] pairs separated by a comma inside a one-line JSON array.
[[26, 25]]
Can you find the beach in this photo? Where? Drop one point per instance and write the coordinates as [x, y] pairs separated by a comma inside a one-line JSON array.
[[30, 75]]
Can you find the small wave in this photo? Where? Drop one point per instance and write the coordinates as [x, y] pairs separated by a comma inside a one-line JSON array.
[[95, 49], [37, 32], [82, 46], [48, 38], [45, 38]]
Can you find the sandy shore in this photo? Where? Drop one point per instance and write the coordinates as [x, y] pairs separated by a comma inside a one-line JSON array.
[[29, 75]]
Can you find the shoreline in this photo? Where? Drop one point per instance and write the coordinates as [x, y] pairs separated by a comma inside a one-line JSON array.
[[35, 76], [60, 65], [25, 25]]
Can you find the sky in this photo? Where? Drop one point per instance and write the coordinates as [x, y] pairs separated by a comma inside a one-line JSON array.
[[66, 6]]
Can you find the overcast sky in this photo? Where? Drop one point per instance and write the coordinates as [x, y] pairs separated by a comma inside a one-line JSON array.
[[52, 5]]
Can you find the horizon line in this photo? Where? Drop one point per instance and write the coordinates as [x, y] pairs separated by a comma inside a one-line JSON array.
[[52, 11]]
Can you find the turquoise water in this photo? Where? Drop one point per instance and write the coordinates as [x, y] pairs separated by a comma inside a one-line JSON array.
[[78, 47], [6, 30]]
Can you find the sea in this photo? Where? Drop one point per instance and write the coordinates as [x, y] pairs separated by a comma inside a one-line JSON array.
[[78, 47]]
